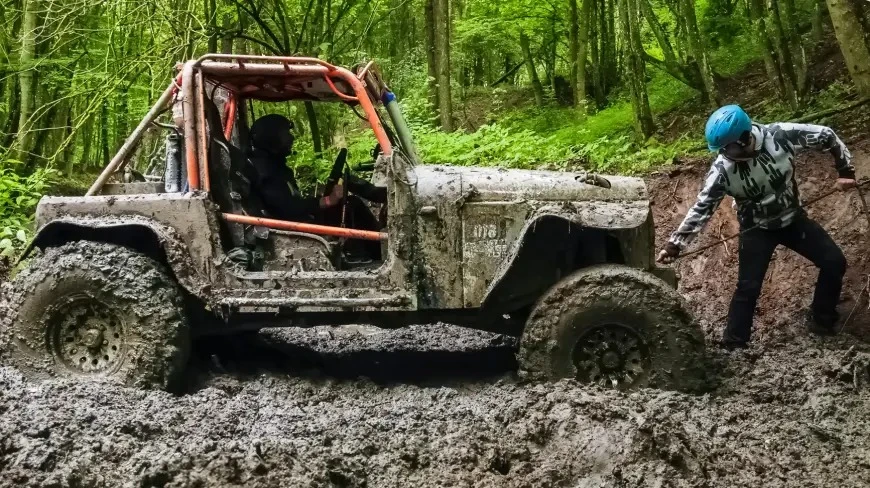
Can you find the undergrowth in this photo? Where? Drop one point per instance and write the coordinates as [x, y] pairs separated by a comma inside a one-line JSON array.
[[18, 198]]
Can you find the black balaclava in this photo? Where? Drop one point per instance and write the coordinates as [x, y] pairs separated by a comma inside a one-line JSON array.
[[271, 133]]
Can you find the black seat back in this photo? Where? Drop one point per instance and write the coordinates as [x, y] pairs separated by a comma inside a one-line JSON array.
[[230, 179]]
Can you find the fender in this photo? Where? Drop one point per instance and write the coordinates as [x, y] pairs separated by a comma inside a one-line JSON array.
[[555, 233], [144, 235]]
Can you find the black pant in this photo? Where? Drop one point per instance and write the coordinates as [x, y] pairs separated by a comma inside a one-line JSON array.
[[805, 237]]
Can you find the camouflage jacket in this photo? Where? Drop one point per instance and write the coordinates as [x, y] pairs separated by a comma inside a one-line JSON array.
[[764, 189]]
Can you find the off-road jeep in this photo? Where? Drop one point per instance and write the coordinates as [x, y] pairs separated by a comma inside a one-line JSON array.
[[119, 281]]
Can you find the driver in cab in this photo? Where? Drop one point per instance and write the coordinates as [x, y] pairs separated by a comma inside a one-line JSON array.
[[271, 143]]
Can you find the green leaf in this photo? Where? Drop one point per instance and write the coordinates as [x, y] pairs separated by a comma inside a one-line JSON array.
[[21, 235], [6, 244]]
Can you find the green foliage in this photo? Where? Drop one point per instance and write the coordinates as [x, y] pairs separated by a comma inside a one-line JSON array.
[[506, 146], [18, 197]]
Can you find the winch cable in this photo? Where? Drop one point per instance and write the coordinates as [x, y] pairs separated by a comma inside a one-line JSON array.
[[805, 205], [808, 204]]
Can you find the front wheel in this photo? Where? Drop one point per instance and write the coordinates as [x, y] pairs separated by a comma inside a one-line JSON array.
[[90, 310], [614, 326]]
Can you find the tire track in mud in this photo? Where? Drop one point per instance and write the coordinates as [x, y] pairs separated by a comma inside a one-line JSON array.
[[435, 405]]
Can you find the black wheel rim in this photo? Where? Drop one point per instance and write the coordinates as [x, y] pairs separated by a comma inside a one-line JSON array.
[[612, 356], [86, 336]]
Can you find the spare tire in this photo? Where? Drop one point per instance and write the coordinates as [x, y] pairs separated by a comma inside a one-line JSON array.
[[90, 310], [614, 326]]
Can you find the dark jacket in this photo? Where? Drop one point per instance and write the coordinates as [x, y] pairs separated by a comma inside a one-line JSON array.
[[276, 185]]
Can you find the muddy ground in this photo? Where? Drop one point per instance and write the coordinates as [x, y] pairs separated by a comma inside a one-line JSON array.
[[434, 405]]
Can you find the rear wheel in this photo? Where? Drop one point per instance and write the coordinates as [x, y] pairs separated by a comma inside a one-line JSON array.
[[97, 311], [616, 327]]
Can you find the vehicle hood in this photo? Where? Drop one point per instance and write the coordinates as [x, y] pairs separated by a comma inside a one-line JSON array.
[[500, 185]]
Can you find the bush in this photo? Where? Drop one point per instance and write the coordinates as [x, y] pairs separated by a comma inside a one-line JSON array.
[[18, 198]]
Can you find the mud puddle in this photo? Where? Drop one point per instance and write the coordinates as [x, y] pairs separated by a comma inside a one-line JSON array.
[[356, 407]]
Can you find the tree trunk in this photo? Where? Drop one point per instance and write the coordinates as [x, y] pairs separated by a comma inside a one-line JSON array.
[[596, 51], [818, 22], [699, 53], [643, 121], [796, 48], [226, 39], [431, 61], [315, 129], [26, 78], [574, 52], [104, 133], [659, 32], [776, 32], [211, 25], [530, 67], [13, 101], [850, 35], [611, 59], [241, 45], [478, 74], [550, 78], [756, 16], [582, 49], [671, 64], [442, 58]]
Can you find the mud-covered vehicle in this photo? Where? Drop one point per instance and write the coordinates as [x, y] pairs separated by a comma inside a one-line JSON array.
[[119, 281]]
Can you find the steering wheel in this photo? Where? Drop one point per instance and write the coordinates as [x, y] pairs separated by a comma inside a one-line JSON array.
[[337, 171], [340, 169]]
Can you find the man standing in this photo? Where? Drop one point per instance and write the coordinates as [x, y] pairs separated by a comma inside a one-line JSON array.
[[755, 166]]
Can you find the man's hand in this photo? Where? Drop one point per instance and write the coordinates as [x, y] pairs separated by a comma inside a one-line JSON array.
[[668, 254], [334, 197], [845, 183]]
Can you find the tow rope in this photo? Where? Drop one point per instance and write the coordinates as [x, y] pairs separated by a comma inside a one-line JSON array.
[[808, 204]]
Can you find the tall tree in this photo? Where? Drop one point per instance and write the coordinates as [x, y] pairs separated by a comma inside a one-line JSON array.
[[431, 60], [853, 42], [635, 68], [578, 40], [442, 60], [699, 52], [27, 77], [537, 88]]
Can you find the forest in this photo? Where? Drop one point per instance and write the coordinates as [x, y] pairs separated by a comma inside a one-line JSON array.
[[518, 83]]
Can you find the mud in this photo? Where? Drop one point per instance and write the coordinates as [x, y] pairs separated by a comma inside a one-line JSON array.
[[436, 405]]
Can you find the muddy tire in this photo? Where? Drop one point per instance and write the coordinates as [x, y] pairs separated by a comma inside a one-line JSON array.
[[96, 311], [614, 326]]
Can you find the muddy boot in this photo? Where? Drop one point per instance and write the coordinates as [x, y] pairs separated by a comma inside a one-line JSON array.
[[732, 345], [823, 325]]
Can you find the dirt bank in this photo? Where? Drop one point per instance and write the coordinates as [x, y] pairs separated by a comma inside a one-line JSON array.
[[436, 405]]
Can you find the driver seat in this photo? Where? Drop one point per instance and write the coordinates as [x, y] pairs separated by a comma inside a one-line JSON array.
[[231, 175]]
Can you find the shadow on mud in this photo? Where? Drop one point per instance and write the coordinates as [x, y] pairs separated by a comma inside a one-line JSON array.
[[397, 361]]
